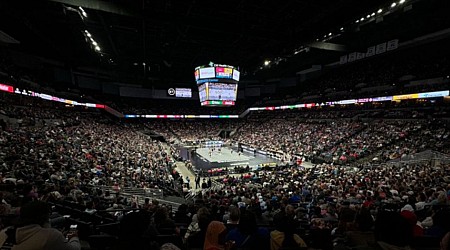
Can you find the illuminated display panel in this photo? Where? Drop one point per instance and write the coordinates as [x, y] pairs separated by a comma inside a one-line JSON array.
[[236, 75], [207, 73], [222, 72]]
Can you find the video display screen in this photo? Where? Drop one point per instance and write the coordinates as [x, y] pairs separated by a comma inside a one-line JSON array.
[[183, 92], [222, 91], [222, 72], [236, 75], [207, 73], [197, 75], [202, 91]]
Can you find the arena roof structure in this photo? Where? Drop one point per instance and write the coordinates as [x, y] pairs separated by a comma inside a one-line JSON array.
[[165, 40]]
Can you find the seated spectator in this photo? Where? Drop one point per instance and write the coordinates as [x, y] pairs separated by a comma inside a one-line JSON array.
[[181, 215], [407, 212], [445, 242], [235, 213], [162, 223], [195, 234], [32, 233], [215, 237], [284, 235], [169, 246], [393, 231], [248, 235], [90, 208]]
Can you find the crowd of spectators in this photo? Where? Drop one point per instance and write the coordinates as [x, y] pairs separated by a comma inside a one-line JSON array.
[[65, 161], [343, 140]]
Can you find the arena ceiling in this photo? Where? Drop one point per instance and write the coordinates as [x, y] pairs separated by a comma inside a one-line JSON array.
[[172, 37]]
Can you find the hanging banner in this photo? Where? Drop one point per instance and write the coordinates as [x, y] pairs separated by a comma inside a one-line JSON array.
[[343, 59], [352, 57], [360, 56], [381, 48], [392, 44], [370, 51]]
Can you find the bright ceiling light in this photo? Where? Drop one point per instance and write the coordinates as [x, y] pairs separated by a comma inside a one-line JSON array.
[[379, 11], [357, 21], [393, 5], [401, 2], [368, 16], [97, 48], [82, 11], [94, 43], [266, 63], [373, 14], [342, 28], [330, 34], [89, 35], [362, 19]]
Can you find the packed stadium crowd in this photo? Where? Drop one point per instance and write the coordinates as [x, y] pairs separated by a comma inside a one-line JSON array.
[[66, 161], [77, 163]]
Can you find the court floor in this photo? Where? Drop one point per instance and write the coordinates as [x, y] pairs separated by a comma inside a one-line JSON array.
[[223, 156]]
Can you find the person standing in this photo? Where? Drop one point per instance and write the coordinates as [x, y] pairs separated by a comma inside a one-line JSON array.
[[188, 181], [197, 181]]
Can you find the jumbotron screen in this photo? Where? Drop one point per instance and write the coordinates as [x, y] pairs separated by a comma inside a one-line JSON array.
[[217, 84]]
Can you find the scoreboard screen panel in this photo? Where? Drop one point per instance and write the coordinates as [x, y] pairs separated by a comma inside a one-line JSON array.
[[202, 91], [223, 72], [207, 73], [197, 75], [236, 75], [222, 91]]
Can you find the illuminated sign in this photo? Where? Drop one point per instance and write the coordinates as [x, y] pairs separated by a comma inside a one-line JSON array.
[[363, 100], [405, 97], [6, 88], [224, 72], [207, 73], [197, 75], [344, 102], [434, 94], [183, 92], [236, 75], [382, 99]]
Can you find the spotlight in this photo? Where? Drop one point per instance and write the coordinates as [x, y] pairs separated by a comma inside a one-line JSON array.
[[402, 2], [393, 5], [97, 48], [89, 35], [330, 34], [379, 11], [357, 21], [266, 63], [362, 19], [94, 43], [342, 28], [368, 16], [373, 14]]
